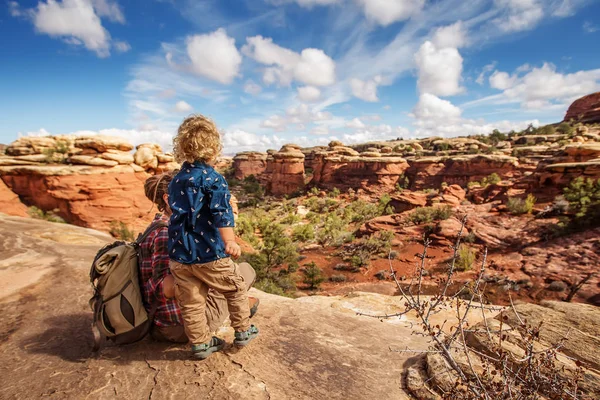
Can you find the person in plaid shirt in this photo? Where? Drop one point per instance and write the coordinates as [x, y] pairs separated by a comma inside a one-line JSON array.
[[156, 279]]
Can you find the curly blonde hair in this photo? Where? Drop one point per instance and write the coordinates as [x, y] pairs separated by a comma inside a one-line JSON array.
[[197, 139]]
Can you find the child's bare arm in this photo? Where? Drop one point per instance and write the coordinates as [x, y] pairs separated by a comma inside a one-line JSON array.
[[231, 247]]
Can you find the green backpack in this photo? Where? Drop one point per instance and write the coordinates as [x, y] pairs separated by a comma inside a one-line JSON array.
[[118, 306]]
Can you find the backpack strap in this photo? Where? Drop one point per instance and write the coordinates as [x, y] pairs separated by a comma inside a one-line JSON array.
[[153, 227]]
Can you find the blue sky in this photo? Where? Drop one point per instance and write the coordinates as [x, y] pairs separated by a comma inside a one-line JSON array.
[[271, 72]]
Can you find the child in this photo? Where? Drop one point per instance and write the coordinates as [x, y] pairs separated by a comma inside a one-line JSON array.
[[201, 238]]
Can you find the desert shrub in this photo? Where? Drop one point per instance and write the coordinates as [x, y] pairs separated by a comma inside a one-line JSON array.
[[360, 211], [314, 191], [313, 275], [393, 254], [49, 216], [277, 247], [334, 193], [443, 146], [496, 136], [303, 233], [338, 278], [254, 192], [470, 238], [382, 275], [331, 231], [121, 231], [466, 258], [403, 183], [57, 153], [291, 219], [518, 206], [492, 179], [583, 196], [422, 215], [359, 253], [566, 128], [359, 260]]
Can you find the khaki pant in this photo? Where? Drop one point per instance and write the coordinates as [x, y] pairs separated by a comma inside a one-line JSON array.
[[206, 292]]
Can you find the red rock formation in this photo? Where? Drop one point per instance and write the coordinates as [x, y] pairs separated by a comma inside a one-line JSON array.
[[431, 172], [585, 109], [10, 203], [288, 171], [93, 200], [249, 163], [343, 168]]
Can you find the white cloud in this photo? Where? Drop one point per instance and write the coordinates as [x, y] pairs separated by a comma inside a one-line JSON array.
[[237, 140], [437, 117], [589, 27], [387, 107], [439, 70], [252, 87], [315, 68], [121, 46], [182, 107], [542, 88], [309, 94], [365, 90], [320, 130], [73, 20], [297, 116], [312, 66], [502, 80], [386, 12], [432, 107], [214, 56], [518, 15], [454, 35], [356, 123], [109, 9], [484, 71], [167, 93], [372, 133]]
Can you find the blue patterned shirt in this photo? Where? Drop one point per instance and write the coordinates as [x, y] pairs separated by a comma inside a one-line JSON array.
[[199, 199]]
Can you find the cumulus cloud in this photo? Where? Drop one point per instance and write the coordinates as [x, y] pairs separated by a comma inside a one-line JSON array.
[[252, 87], [589, 27], [365, 90], [386, 12], [502, 80], [182, 107], [214, 56], [237, 140], [437, 117], [298, 116], [311, 66], [439, 70], [309, 94], [75, 21], [320, 130], [356, 123], [372, 133], [430, 106], [454, 35], [519, 15], [542, 87]]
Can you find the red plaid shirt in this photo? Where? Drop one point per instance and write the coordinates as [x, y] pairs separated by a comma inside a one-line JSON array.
[[154, 256]]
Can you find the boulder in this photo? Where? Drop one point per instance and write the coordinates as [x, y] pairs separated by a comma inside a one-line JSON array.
[[450, 227], [408, 200], [165, 158], [145, 157], [102, 143], [119, 156], [154, 146], [91, 160], [453, 195]]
